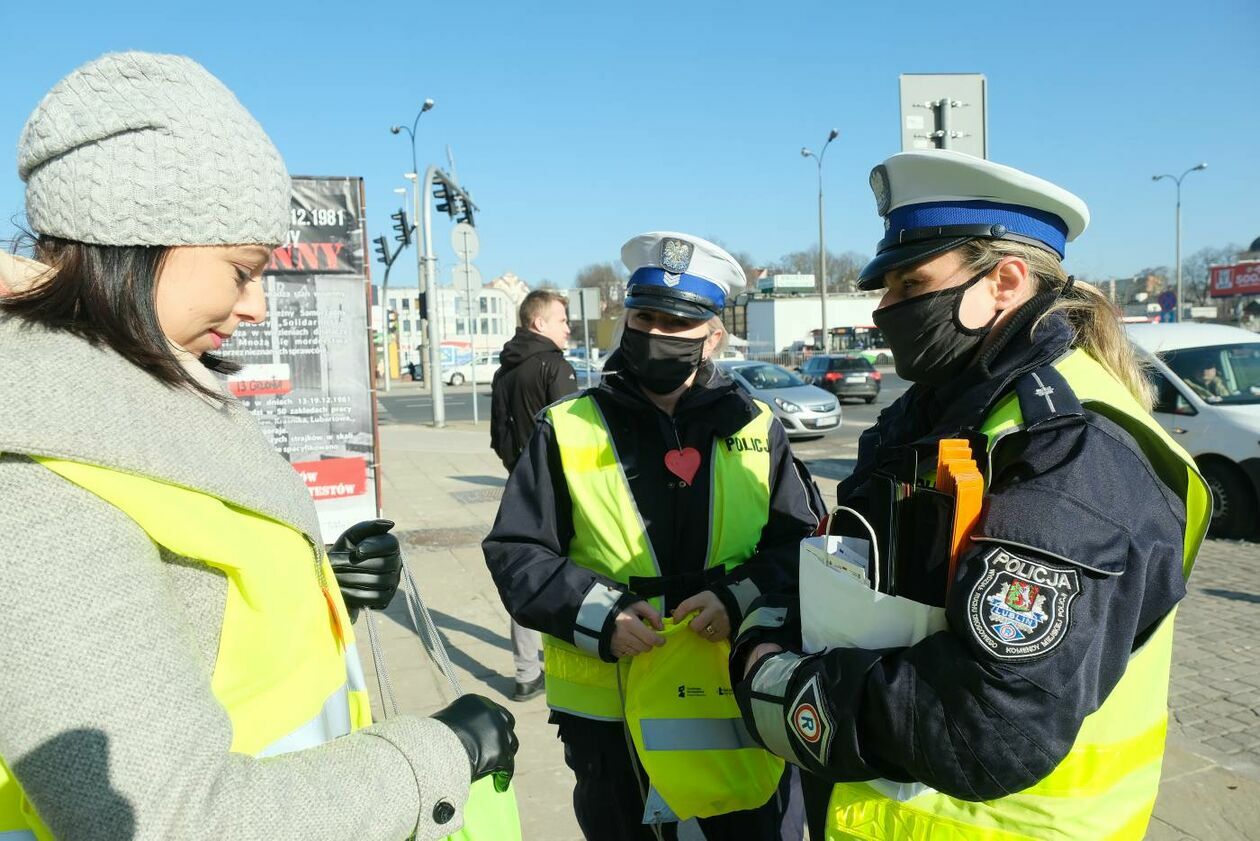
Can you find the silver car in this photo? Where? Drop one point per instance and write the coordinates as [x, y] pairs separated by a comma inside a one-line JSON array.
[[805, 410]]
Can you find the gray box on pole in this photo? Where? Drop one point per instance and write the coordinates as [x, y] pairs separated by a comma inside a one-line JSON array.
[[583, 296], [583, 306], [945, 111]]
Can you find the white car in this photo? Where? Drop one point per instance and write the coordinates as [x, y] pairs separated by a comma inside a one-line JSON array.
[[487, 364], [1207, 385]]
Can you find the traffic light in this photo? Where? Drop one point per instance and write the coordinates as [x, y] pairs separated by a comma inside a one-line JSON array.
[[402, 227], [382, 249], [442, 194], [465, 213], [422, 305], [393, 321]]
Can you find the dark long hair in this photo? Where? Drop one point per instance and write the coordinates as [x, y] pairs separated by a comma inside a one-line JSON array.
[[106, 294]]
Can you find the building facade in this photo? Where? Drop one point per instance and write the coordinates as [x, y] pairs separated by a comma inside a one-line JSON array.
[[479, 323]]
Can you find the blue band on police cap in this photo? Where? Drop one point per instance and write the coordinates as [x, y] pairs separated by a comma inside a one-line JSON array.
[[1025, 221], [693, 284]]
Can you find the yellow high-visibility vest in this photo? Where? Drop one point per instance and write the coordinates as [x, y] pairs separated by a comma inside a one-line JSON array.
[[609, 536], [1105, 787], [304, 686]]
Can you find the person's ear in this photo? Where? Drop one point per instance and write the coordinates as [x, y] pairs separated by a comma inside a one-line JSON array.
[[1011, 281], [711, 343]]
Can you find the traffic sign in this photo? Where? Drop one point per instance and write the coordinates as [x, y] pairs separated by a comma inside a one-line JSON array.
[[583, 303], [464, 241], [945, 111], [466, 276]]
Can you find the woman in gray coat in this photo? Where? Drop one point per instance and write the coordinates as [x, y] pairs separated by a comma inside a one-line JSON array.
[[175, 662]]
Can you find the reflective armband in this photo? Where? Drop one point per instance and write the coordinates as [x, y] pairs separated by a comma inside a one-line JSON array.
[[768, 703], [592, 616], [743, 593], [763, 618]]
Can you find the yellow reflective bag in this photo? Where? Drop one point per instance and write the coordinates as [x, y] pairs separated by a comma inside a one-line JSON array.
[[689, 735], [489, 815]]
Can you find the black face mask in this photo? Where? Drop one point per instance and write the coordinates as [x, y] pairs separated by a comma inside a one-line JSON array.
[[661, 364], [928, 342]]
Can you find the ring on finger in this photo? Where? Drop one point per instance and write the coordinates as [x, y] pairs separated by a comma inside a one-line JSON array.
[[708, 630]]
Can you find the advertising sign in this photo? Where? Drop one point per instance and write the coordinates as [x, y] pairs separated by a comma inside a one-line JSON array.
[[1241, 279], [307, 368], [787, 283]]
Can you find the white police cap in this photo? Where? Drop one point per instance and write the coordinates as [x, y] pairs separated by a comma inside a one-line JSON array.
[[935, 200], [679, 274]]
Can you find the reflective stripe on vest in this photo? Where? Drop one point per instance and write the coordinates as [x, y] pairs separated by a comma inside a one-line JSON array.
[[696, 734], [1105, 787], [306, 685], [609, 536]]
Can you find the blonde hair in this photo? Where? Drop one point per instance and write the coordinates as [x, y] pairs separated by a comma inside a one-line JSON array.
[[1095, 324]]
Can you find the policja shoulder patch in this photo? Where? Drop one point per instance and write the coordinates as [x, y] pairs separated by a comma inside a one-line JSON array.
[[809, 724], [1020, 609]]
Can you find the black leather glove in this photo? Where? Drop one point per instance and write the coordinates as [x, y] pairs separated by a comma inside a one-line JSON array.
[[486, 731], [367, 564]]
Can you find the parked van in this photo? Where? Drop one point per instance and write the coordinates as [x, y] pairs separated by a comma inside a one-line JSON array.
[[1207, 384]]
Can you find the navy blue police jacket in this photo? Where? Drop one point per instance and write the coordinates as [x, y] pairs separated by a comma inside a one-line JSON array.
[[982, 710], [526, 551]]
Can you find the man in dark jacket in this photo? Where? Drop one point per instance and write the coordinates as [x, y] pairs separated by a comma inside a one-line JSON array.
[[532, 375]]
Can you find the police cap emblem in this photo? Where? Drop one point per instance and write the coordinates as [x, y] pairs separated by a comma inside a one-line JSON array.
[[881, 189], [676, 254], [1020, 609]]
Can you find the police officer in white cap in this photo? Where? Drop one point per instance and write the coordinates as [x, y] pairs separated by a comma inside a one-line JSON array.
[[664, 493], [1040, 711]]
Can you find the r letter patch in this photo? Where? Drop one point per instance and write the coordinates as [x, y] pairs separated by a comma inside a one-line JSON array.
[[1020, 609], [808, 722]]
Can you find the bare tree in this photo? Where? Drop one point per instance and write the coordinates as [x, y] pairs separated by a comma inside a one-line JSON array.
[[752, 268], [842, 269], [1194, 269], [610, 280]]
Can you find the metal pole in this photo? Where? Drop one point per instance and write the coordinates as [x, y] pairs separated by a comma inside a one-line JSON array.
[[942, 122], [586, 334], [415, 192], [1179, 309], [472, 339], [1177, 313], [430, 284], [822, 261], [822, 242], [384, 327]]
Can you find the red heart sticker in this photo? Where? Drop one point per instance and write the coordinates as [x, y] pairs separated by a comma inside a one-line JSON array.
[[683, 463]]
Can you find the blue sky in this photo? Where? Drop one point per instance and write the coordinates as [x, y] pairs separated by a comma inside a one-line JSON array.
[[578, 125]]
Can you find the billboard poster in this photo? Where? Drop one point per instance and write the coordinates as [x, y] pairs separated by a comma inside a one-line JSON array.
[[307, 368], [1242, 279]]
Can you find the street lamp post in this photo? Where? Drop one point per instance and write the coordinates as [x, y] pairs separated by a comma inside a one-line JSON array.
[[413, 177], [1177, 180], [822, 242]]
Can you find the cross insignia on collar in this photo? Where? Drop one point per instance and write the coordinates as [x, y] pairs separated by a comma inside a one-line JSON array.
[[1044, 391]]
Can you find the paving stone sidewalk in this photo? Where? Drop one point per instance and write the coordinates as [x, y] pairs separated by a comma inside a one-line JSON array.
[[442, 488]]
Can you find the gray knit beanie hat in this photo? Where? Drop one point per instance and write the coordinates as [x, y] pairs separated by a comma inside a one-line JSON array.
[[145, 149]]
